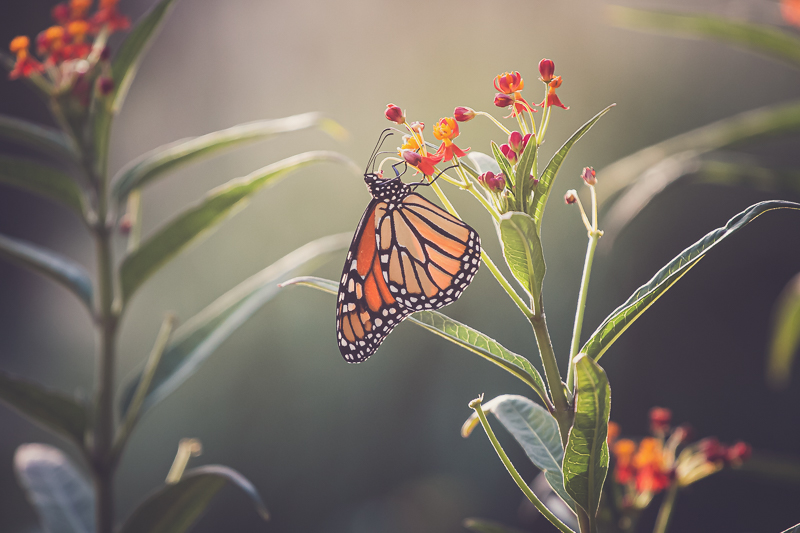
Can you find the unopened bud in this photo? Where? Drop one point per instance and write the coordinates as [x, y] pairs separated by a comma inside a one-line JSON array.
[[546, 69], [493, 182], [739, 452], [588, 176], [515, 141], [526, 139], [105, 55], [463, 114], [503, 100], [571, 197], [395, 114], [660, 417], [412, 158], [712, 450], [510, 154], [106, 85]]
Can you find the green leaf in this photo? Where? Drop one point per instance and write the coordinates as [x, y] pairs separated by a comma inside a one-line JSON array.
[[535, 430], [169, 157], [766, 40], [479, 525], [457, 333], [60, 269], [219, 204], [785, 335], [43, 180], [795, 529], [624, 315], [484, 163], [586, 454], [522, 249], [60, 494], [194, 341], [126, 60], [174, 508], [526, 168], [52, 410], [46, 140], [747, 126], [542, 191], [504, 164]]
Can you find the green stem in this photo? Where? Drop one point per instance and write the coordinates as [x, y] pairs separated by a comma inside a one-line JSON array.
[[563, 413], [665, 512], [594, 236], [476, 405], [506, 285]]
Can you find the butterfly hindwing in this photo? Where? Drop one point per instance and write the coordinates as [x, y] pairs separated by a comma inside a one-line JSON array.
[[366, 311], [427, 256]]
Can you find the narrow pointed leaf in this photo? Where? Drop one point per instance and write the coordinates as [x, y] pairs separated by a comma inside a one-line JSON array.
[[60, 269], [479, 525], [46, 140], [542, 191], [484, 163], [195, 340], [52, 410], [795, 529], [586, 454], [767, 40], [219, 204], [457, 333], [126, 60], [535, 429], [60, 494], [504, 164], [624, 315], [522, 250], [43, 180], [746, 126], [163, 159], [525, 168], [785, 340], [175, 508]]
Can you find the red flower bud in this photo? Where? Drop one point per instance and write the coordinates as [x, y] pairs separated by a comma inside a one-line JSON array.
[[60, 13], [515, 141], [412, 157], [125, 224], [739, 452], [546, 69], [660, 417], [463, 114], [571, 197], [395, 114], [417, 126], [493, 182], [510, 154], [712, 449], [105, 85], [105, 55], [526, 139], [503, 100], [588, 176]]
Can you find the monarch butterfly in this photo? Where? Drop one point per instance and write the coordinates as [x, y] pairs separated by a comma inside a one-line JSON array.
[[407, 255]]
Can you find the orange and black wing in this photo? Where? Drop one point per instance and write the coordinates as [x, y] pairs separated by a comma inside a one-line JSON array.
[[427, 256], [366, 311]]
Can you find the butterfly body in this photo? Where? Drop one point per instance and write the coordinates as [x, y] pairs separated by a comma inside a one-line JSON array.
[[407, 255]]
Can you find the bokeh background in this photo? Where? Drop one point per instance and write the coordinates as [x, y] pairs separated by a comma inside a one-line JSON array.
[[376, 447]]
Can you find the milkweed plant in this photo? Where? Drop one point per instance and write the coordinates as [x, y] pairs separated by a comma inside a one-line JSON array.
[[596, 479], [84, 83]]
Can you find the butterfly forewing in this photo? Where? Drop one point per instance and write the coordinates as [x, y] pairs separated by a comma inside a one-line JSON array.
[[365, 311]]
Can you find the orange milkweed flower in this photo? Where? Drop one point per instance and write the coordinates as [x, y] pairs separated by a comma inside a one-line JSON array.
[[510, 84], [790, 11], [446, 130], [26, 64], [78, 47], [108, 16], [552, 97]]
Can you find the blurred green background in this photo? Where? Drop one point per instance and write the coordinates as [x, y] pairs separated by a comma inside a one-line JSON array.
[[376, 447]]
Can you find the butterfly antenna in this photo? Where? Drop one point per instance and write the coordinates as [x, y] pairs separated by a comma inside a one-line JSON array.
[[429, 183], [385, 134]]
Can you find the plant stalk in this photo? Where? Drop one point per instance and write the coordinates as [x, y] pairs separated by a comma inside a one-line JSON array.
[[594, 236], [665, 512], [563, 413], [476, 405]]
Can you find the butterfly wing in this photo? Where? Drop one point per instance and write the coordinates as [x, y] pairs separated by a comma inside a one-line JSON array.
[[427, 256], [366, 311]]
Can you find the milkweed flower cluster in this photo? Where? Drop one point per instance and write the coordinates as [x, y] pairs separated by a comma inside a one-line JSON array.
[[504, 190], [643, 469], [71, 55]]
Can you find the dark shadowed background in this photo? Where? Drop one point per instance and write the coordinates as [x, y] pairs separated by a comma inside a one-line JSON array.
[[376, 447]]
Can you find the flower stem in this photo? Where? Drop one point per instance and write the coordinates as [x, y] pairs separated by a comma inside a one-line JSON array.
[[497, 122], [665, 512], [563, 413], [476, 405], [594, 236]]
